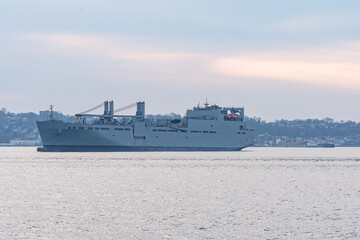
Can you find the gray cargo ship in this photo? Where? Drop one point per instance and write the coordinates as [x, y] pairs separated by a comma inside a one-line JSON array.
[[207, 128]]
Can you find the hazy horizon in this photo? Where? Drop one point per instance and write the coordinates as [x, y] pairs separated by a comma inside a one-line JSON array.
[[278, 59]]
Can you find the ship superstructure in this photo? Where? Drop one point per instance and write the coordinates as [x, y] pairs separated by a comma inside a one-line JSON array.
[[206, 128]]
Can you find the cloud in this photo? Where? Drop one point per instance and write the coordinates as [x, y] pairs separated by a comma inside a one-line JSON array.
[[108, 46], [115, 58], [336, 66], [328, 67]]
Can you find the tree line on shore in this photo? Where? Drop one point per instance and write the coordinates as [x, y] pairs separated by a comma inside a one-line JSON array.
[[22, 126]]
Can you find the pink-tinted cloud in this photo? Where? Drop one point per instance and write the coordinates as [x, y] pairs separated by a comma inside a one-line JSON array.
[[118, 57], [338, 67], [107, 46]]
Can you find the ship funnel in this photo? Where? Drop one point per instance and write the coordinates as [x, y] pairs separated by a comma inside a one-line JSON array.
[[140, 111], [106, 108], [111, 110]]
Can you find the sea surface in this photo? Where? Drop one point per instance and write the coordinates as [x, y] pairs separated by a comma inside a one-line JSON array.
[[258, 193]]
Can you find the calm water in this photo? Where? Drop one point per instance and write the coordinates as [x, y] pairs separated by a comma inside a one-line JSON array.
[[259, 193]]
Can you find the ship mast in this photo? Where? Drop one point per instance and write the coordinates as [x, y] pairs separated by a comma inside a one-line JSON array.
[[51, 115]]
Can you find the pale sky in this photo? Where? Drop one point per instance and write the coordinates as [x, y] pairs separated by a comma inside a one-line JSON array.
[[278, 59]]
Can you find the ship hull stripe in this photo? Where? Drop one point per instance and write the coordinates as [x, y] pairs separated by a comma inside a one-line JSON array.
[[81, 148]]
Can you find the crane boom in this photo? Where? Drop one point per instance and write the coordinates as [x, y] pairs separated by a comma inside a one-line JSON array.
[[92, 109], [124, 108]]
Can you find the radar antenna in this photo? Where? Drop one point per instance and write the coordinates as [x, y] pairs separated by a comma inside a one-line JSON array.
[[206, 102]]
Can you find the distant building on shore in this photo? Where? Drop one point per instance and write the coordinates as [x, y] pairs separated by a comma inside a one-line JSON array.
[[25, 142]]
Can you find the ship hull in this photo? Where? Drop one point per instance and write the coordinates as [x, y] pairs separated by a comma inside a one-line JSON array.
[[58, 136]]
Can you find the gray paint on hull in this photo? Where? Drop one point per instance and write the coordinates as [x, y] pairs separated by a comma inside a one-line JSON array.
[[69, 136]]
